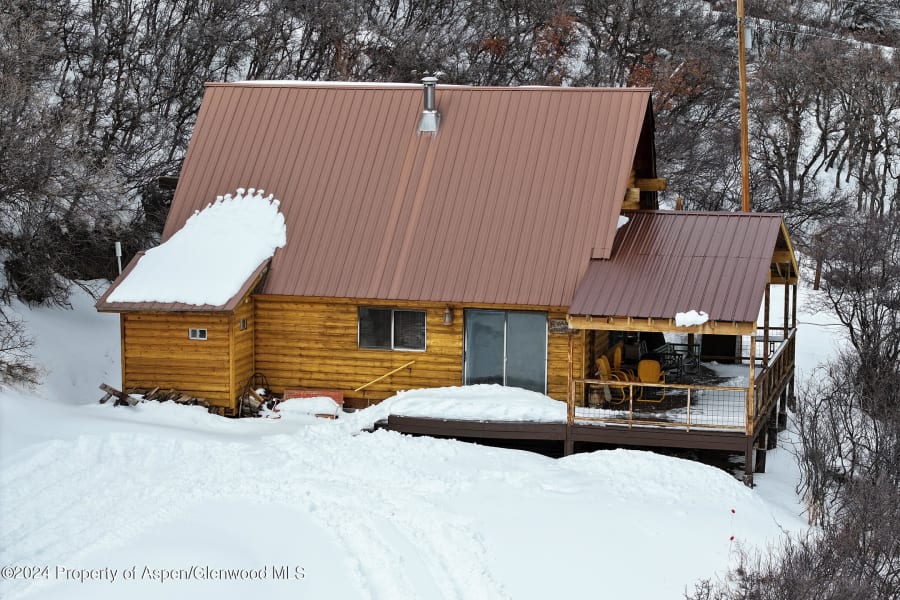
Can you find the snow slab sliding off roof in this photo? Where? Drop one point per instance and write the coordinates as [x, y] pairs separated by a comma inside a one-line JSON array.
[[506, 203], [218, 252]]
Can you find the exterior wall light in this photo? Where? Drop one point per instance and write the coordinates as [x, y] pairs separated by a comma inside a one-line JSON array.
[[448, 316]]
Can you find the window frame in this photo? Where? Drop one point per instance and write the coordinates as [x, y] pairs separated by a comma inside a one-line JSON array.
[[194, 333], [393, 347]]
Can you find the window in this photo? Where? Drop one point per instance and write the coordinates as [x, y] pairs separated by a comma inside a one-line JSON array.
[[391, 329], [197, 334], [243, 324]]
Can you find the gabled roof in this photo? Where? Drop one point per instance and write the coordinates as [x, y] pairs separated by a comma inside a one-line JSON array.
[[664, 263], [506, 204]]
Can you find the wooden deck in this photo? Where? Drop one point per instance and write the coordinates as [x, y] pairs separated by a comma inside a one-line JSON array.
[[492, 430], [734, 441], [658, 437], [720, 418]]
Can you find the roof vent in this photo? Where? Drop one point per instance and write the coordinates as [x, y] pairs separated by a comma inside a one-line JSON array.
[[431, 118]]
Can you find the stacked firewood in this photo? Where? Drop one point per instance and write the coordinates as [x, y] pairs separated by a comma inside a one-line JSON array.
[[253, 402], [155, 394]]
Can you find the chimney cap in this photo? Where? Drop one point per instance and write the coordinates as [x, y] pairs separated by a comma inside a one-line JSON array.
[[430, 79]]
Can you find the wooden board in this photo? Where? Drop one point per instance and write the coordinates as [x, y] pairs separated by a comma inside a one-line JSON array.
[[655, 184]]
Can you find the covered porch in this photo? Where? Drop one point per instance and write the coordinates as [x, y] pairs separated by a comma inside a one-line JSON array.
[[657, 375]]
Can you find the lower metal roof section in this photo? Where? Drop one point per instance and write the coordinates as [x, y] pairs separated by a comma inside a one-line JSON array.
[[663, 263]]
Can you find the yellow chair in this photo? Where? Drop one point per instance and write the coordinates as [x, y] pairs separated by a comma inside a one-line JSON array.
[[649, 371], [606, 373], [617, 362]]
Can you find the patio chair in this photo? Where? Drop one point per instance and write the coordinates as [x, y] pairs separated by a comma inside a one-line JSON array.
[[614, 393], [617, 362], [649, 371]]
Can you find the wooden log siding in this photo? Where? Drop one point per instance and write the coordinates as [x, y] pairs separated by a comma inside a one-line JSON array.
[[312, 342], [156, 352], [242, 355]]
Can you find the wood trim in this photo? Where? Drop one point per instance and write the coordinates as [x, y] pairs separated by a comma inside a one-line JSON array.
[[782, 256], [424, 304], [774, 279], [651, 184], [790, 248], [650, 324]]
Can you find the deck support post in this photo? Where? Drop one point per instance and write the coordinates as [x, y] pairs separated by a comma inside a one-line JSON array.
[[781, 418], [760, 466], [792, 397], [772, 423], [772, 433], [749, 456]]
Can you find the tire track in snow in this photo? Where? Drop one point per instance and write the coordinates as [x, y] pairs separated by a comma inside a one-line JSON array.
[[67, 499]]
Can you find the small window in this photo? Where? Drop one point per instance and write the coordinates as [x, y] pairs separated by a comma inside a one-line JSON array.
[[391, 329], [197, 334], [243, 324]]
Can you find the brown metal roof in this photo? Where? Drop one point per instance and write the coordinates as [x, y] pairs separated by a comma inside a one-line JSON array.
[[506, 204], [104, 306], [669, 262]]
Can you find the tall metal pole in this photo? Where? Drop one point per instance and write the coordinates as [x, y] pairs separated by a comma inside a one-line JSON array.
[[745, 133]]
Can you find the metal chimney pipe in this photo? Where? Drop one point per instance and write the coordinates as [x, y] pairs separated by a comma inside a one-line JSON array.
[[429, 84], [430, 116]]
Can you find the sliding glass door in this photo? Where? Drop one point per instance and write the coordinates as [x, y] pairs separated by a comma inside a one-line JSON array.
[[506, 347]]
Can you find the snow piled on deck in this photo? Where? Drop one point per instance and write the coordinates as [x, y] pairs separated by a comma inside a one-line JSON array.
[[209, 259], [470, 403]]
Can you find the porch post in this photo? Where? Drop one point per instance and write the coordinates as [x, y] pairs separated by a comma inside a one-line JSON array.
[[749, 449], [787, 302], [794, 307], [751, 387], [765, 351], [570, 397]]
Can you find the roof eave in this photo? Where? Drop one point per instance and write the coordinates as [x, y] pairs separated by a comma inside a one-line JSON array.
[[658, 324]]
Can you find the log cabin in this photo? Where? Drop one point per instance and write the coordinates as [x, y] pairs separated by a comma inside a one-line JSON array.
[[453, 235]]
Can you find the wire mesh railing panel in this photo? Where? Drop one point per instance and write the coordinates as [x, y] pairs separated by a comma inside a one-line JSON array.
[[679, 405]]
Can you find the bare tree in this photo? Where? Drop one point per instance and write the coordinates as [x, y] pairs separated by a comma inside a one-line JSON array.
[[861, 281], [15, 352]]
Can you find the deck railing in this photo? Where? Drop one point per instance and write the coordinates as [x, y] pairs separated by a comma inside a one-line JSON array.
[[689, 406], [772, 380], [677, 405], [385, 376]]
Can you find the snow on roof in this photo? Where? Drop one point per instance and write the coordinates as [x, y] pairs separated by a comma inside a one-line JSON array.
[[691, 317], [209, 259]]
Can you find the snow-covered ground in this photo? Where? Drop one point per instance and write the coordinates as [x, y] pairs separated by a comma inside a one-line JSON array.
[[176, 503]]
